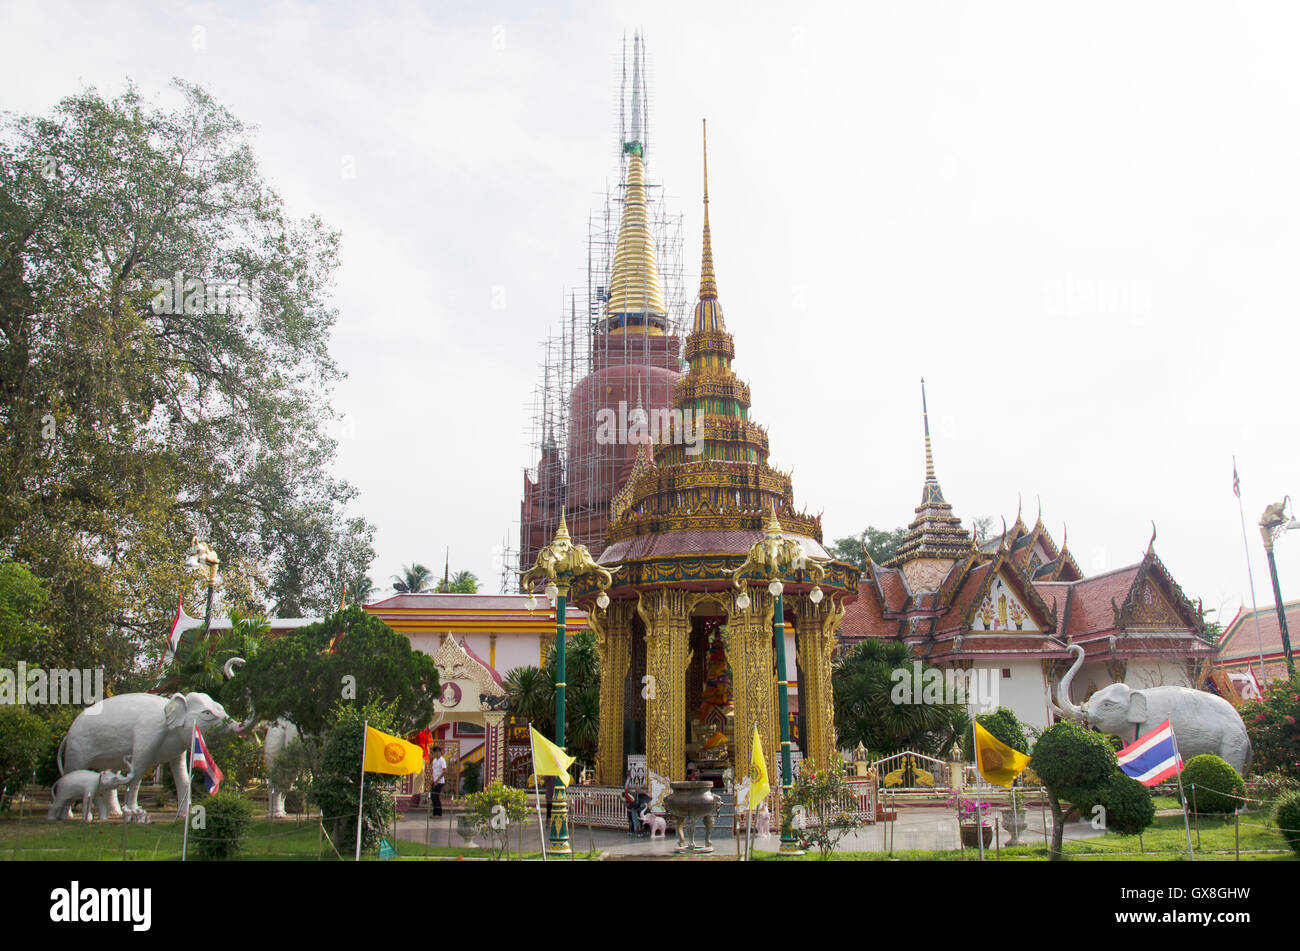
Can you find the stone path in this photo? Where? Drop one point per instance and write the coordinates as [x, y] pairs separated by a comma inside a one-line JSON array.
[[917, 827]]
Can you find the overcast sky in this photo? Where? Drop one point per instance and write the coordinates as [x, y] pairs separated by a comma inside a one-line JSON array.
[[1080, 223]]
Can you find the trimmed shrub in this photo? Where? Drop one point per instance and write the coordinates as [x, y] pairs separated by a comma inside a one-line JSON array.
[[1004, 725], [1128, 804], [227, 816], [1216, 785], [23, 738], [1069, 755], [1287, 818]]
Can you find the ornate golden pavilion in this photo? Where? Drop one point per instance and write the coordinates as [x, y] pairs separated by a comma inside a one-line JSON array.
[[679, 529]]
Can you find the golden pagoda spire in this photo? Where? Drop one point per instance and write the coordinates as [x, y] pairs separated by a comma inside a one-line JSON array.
[[708, 282], [562, 533], [929, 452], [708, 312]]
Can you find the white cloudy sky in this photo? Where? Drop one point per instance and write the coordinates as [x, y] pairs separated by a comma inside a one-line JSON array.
[[1079, 222]]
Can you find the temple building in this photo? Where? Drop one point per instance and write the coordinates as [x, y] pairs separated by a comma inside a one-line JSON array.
[[634, 361], [687, 666], [1251, 649], [1013, 605]]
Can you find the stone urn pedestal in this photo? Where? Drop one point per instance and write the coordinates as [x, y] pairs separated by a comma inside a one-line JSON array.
[[688, 803]]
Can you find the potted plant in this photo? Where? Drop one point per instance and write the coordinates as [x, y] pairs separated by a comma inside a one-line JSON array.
[[972, 817]]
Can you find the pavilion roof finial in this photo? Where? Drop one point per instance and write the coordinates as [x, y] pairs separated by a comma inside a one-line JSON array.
[[929, 451], [708, 312]]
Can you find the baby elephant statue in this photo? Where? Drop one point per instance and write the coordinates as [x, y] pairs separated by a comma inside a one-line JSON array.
[[657, 824], [88, 786]]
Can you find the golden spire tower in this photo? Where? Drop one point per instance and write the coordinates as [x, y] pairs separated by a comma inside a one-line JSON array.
[[636, 297], [708, 312]]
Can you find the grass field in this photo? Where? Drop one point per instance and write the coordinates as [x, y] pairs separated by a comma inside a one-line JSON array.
[[1214, 838]]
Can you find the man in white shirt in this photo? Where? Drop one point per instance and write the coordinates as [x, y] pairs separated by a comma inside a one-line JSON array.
[[438, 777]]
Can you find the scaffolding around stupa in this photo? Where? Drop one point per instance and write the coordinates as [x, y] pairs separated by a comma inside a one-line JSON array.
[[579, 342]]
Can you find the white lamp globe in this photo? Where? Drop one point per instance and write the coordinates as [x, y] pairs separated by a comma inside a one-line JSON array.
[[552, 592], [815, 595], [602, 600], [531, 603], [776, 587], [742, 600]]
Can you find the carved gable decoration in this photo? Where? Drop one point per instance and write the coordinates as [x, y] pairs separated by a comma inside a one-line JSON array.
[[466, 684], [1002, 610], [1147, 607]]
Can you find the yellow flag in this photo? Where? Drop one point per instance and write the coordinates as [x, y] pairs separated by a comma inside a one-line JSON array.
[[549, 759], [758, 785], [388, 754], [998, 763]]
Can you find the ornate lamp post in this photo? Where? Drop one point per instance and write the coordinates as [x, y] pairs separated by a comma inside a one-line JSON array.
[[560, 563], [1272, 524], [769, 558], [205, 559]]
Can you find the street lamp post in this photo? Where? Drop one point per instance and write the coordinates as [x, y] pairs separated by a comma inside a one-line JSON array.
[[1272, 524], [561, 563], [769, 558], [204, 558]]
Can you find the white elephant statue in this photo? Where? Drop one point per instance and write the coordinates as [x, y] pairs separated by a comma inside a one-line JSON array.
[[1202, 722], [89, 787], [145, 731], [278, 737]]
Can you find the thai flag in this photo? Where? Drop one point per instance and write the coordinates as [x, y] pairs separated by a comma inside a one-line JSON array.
[[200, 758], [1153, 757]]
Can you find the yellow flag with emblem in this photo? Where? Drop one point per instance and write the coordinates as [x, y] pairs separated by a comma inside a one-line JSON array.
[[758, 785], [549, 759], [998, 763], [390, 754]]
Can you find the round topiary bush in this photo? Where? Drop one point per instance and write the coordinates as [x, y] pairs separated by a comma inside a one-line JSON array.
[[226, 816], [1287, 819], [1128, 804], [1212, 785], [1069, 755]]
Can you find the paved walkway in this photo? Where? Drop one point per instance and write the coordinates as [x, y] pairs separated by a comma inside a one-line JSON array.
[[917, 827]]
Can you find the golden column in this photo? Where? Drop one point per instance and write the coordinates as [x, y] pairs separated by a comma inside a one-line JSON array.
[[753, 687], [815, 625], [614, 642], [667, 639]]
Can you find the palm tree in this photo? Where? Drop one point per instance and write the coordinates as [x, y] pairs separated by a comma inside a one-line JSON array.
[[464, 582], [865, 708], [359, 590], [413, 579]]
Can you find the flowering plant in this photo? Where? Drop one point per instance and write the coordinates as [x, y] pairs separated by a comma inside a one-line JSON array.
[[971, 810]]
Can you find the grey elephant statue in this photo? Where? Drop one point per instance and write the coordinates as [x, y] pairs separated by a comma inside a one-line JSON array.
[[279, 735], [89, 787], [143, 730], [1202, 722]]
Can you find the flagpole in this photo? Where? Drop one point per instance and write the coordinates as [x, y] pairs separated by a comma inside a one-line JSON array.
[[185, 836], [1191, 856], [361, 796], [979, 803], [541, 829], [1250, 575]]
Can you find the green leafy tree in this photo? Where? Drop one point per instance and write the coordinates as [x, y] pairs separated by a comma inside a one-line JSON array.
[[24, 736], [1286, 816], [24, 604], [292, 770], [1004, 725], [880, 543], [1127, 804], [1273, 728], [464, 582], [335, 785], [1073, 764], [165, 371], [359, 590], [882, 704], [349, 656], [200, 659]]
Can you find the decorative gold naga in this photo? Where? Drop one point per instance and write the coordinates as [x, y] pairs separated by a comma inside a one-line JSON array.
[[561, 561], [773, 554]]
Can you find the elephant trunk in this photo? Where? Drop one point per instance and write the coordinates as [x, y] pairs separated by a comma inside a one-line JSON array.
[[1063, 691]]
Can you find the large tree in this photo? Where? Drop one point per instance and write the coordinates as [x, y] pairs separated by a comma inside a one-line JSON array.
[[879, 542], [164, 371]]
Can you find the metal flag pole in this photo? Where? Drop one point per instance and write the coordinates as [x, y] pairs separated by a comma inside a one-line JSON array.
[[365, 736], [1191, 856], [1250, 575], [749, 802], [541, 829], [979, 803]]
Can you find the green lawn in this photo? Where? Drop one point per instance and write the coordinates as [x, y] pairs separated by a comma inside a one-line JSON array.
[[1165, 840], [34, 839]]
